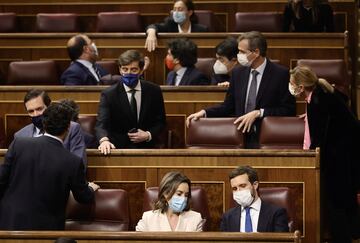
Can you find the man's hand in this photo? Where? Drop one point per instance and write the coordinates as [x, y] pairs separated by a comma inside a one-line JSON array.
[[247, 120], [94, 186], [151, 40], [105, 147], [139, 136], [195, 117], [224, 84]]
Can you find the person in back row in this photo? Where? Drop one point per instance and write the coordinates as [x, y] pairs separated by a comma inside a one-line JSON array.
[[36, 102], [251, 214], [181, 58], [226, 60], [131, 113], [182, 20], [83, 69], [258, 88], [37, 175]]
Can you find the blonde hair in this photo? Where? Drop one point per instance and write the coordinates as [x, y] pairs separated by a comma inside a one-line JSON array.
[[303, 75]]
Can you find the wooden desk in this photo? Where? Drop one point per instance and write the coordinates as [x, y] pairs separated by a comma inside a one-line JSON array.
[[134, 170], [286, 47], [144, 237]]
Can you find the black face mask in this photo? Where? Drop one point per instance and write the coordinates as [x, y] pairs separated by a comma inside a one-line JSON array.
[[37, 121]]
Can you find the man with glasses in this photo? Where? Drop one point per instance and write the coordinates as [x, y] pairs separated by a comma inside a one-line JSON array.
[[258, 88], [131, 113], [83, 69]]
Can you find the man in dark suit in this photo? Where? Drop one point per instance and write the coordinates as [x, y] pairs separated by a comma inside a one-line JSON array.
[[181, 58], [36, 101], [37, 176], [131, 113], [83, 69], [252, 214], [257, 89]]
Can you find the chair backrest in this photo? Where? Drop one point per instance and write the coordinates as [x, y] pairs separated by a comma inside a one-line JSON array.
[[57, 22], [281, 197], [205, 65], [205, 17], [119, 22], [33, 73], [109, 212], [333, 70], [214, 133], [199, 202], [7, 22], [87, 123], [259, 21], [111, 66], [282, 133]]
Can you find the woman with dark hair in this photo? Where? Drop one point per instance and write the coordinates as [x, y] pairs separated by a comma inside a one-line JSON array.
[[172, 208], [317, 17], [182, 20], [330, 125]]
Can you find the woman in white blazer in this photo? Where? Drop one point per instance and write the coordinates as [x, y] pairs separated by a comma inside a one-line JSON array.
[[172, 209]]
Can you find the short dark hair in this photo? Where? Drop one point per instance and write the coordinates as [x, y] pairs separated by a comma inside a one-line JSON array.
[[57, 119], [184, 50], [75, 109], [34, 93], [241, 170], [228, 48], [130, 56], [76, 49], [168, 186], [256, 40]]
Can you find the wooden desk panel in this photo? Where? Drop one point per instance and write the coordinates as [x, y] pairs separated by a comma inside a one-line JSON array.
[[134, 170], [285, 47], [144, 237]]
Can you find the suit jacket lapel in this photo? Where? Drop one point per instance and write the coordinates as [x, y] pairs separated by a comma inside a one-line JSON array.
[[94, 80], [143, 104], [185, 78], [244, 81], [263, 218], [265, 80], [170, 80], [235, 224]]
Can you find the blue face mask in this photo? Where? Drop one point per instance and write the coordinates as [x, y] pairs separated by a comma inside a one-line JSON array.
[[177, 203], [130, 79], [37, 121], [179, 17]]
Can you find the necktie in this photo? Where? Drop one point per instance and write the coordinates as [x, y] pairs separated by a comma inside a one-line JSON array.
[[133, 104], [97, 71], [251, 99], [248, 223], [173, 81]]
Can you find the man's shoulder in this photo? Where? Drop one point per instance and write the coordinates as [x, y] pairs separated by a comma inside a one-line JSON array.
[[232, 211], [277, 67], [25, 131], [149, 85], [270, 207]]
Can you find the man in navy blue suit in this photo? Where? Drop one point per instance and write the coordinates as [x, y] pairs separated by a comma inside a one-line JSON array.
[[258, 88], [251, 214], [83, 69]]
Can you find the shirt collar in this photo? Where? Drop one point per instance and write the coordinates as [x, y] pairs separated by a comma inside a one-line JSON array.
[[137, 87], [85, 63], [255, 205], [54, 137], [181, 31], [260, 69], [181, 71]]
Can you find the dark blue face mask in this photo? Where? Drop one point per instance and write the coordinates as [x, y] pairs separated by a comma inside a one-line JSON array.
[[130, 79], [37, 121]]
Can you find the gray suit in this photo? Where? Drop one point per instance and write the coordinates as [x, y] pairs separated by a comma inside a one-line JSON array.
[[74, 141]]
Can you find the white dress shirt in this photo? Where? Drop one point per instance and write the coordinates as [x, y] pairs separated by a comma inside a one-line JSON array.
[[181, 31], [179, 75], [254, 214], [137, 96], [54, 137], [89, 66], [260, 69]]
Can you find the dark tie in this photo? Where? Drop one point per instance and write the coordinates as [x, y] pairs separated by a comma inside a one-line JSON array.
[[248, 223], [173, 81], [133, 104], [97, 71], [251, 99]]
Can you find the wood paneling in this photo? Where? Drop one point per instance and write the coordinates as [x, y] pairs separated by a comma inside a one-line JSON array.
[[296, 169]]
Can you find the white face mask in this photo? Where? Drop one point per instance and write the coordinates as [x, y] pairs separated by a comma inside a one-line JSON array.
[[179, 17], [220, 68], [243, 197], [95, 50], [243, 60], [293, 90]]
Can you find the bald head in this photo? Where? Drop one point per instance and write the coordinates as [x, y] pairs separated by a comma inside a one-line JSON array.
[[76, 44]]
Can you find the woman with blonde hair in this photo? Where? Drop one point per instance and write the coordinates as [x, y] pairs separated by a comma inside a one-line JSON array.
[[330, 125], [172, 208]]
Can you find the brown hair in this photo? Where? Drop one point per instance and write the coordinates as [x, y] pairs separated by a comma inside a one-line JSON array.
[[256, 41], [241, 170], [168, 186], [303, 75]]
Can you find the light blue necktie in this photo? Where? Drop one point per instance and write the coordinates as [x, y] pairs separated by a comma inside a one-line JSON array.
[[248, 223]]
